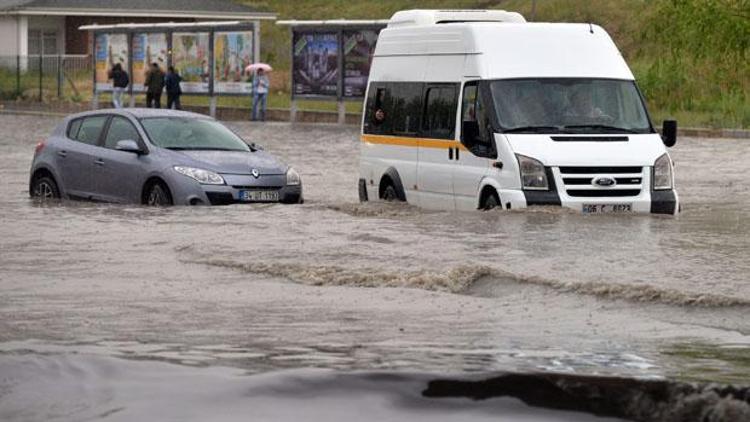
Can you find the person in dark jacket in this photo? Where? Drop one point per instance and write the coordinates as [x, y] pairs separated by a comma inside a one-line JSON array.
[[154, 86], [172, 83], [120, 81]]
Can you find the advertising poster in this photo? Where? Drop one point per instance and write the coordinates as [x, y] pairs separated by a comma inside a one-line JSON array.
[[109, 49], [315, 63], [190, 60], [147, 48], [233, 52], [359, 47]]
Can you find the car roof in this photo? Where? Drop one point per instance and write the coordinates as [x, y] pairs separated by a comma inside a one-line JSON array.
[[140, 113]]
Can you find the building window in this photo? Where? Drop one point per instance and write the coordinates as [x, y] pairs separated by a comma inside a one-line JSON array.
[[49, 42], [35, 41], [42, 42]]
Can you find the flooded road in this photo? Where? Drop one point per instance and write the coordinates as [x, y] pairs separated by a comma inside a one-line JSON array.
[[335, 284]]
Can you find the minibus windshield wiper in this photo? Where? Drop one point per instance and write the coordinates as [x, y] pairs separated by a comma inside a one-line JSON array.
[[535, 129], [603, 127]]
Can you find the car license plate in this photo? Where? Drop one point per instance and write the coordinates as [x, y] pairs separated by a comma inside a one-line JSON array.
[[259, 195], [606, 208]]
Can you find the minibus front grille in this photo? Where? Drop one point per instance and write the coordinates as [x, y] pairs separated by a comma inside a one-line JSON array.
[[602, 181], [602, 193], [590, 180], [600, 170]]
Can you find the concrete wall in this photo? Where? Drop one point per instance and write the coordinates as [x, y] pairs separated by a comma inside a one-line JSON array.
[[13, 35]]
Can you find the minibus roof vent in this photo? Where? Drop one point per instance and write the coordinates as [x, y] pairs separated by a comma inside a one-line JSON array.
[[433, 17]]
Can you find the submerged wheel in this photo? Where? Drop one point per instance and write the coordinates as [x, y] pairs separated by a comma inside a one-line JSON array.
[[44, 188], [158, 195], [389, 193], [491, 201]]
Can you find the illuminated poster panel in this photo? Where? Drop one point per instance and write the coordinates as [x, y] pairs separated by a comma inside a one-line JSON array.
[[147, 48], [359, 48], [233, 52], [109, 49], [315, 67], [190, 54]]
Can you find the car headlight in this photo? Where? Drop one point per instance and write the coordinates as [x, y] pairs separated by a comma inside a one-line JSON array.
[[203, 177], [292, 177], [533, 173], [662, 173]]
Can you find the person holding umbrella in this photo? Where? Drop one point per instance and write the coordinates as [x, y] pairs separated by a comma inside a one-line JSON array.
[[260, 87]]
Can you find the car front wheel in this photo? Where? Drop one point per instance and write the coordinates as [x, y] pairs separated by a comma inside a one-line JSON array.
[[158, 196]]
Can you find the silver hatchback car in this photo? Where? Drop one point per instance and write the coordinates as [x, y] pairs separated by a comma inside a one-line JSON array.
[[157, 157]]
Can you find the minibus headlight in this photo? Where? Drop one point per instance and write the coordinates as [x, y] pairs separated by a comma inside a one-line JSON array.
[[533, 174], [662, 173]]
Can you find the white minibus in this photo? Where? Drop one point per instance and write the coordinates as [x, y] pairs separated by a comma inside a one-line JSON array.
[[472, 109]]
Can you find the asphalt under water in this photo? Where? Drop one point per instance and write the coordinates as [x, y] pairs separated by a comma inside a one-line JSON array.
[[340, 285]]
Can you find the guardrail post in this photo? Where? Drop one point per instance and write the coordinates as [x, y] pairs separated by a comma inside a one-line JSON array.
[[212, 106], [41, 75], [18, 76], [59, 76], [341, 105]]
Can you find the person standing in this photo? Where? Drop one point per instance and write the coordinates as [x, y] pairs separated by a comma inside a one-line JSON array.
[[260, 93], [154, 86], [120, 81], [172, 83]]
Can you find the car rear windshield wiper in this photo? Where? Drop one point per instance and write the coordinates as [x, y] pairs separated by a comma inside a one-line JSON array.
[[535, 129], [603, 127]]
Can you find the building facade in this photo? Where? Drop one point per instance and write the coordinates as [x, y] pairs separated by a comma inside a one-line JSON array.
[[50, 27]]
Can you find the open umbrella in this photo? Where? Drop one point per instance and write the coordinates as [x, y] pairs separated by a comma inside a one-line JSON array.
[[256, 66]]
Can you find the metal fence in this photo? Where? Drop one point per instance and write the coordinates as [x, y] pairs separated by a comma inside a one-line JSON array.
[[46, 78]]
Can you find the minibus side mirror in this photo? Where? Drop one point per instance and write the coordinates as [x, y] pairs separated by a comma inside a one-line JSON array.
[[469, 133], [669, 133]]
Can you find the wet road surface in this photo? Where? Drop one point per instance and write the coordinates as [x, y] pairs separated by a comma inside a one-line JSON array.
[[335, 284]]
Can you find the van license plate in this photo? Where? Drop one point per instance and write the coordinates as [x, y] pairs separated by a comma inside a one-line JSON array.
[[259, 196], [606, 208]]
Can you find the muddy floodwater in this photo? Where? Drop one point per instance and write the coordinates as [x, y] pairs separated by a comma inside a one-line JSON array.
[[105, 308]]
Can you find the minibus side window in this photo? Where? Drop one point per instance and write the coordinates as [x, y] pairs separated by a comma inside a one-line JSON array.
[[439, 119], [406, 108], [378, 114]]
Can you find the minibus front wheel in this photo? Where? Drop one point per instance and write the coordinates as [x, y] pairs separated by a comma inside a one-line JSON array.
[[490, 199]]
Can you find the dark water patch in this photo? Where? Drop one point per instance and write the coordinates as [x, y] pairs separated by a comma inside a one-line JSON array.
[[634, 399]]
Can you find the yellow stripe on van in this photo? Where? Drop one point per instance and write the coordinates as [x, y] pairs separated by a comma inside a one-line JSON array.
[[405, 141]]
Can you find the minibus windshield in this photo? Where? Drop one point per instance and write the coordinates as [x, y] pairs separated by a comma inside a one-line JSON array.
[[569, 105]]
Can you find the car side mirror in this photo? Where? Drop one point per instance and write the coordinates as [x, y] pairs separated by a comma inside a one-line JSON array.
[[128, 145], [469, 132], [669, 133]]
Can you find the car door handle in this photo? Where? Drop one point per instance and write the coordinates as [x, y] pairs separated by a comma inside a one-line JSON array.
[[99, 162], [62, 154]]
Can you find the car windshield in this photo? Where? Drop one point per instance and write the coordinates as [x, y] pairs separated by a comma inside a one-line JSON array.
[[180, 133], [569, 105]]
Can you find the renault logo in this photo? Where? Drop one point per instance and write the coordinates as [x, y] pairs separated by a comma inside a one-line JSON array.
[[255, 173], [605, 182]]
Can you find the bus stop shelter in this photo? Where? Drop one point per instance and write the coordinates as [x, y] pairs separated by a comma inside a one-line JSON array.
[[211, 57], [330, 60]]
